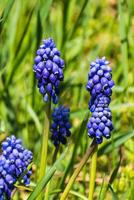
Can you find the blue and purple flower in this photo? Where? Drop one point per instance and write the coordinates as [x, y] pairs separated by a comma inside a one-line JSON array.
[[48, 70], [61, 125], [14, 161], [100, 85]]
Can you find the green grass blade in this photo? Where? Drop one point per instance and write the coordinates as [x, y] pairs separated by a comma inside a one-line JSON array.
[[45, 9], [77, 23], [114, 173], [65, 11], [18, 51], [24, 173], [77, 195], [34, 116], [39, 29], [80, 196], [102, 189], [131, 195], [16, 64], [24, 32], [124, 40], [41, 185], [6, 13], [117, 141], [78, 139], [114, 196], [106, 184]]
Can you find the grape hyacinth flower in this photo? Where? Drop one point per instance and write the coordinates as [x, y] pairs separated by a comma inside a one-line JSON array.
[[48, 70], [100, 85], [61, 125], [14, 161]]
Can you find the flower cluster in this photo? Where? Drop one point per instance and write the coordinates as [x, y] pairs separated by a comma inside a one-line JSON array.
[[14, 161], [100, 85], [61, 125], [48, 70]]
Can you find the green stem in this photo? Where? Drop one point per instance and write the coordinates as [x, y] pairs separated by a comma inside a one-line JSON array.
[[55, 154], [103, 191], [49, 184], [75, 147], [44, 145], [92, 174], [77, 171]]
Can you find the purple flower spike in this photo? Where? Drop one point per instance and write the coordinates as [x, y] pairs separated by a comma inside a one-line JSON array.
[[48, 69], [14, 160], [60, 126], [100, 85]]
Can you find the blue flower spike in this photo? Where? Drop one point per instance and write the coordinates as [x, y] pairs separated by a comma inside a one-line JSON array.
[[100, 85], [48, 68], [14, 161], [60, 127]]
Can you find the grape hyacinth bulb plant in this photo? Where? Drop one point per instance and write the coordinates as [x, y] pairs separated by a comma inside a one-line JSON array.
[[60, 130], [100, 125], [48, 70], [60, 125], [99, 85], [14, 161]]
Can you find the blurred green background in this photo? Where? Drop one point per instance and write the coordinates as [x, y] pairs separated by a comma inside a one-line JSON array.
[[82, 30]]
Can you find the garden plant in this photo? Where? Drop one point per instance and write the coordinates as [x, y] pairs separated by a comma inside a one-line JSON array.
[[66, 100]]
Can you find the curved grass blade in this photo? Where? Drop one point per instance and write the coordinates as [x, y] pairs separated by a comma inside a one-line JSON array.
[[41, 185], [117, 141], [70, 192], [21, 187], [78, 195]]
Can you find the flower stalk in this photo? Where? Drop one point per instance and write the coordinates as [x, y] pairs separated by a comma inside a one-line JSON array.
[[77, 170], [93, 165], [49, 184], [44, 145]]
